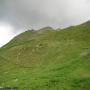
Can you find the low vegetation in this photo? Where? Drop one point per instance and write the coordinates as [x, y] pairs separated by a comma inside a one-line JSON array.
[[47, 59]]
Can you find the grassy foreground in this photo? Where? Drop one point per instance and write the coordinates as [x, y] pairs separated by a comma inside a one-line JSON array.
[[47, 59]]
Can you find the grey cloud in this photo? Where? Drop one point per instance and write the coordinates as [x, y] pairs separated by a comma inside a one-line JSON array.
[[40, 13]]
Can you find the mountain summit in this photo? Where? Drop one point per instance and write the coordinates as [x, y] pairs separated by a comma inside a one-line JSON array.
[[47, 59]]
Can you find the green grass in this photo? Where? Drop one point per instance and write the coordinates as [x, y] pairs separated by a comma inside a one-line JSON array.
[[47, 60]]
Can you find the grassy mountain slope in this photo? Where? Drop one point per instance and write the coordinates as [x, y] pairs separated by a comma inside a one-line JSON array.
[[48, 60]]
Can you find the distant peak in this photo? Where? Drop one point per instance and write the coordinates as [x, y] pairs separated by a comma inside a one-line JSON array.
[[47, 28], [31, 30], [86, 23]]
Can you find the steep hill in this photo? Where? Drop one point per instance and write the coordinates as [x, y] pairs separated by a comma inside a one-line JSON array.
[[47, 59]]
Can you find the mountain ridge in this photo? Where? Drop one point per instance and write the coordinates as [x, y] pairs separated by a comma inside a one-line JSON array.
[[50, 28], [47, 59]]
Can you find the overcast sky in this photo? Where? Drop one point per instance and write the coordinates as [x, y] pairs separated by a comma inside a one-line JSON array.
[[19, 15]]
